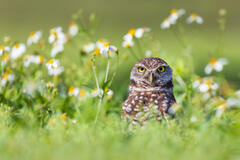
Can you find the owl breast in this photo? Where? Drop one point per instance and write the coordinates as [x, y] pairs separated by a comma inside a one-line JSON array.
[[142, 106]]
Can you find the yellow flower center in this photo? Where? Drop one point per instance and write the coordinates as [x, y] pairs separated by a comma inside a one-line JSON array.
[[17, 45], [54, 32], [128, 45], [101, 40], [106, 89], [106, 44], [174, 11], [73, 24], [97, 51], [222, 106], [2, 47], [5, 76], [5, 57], [194, 15], [213, 62], [51, 61], [82, 93], [32, 34], [40, 59], [208, 83], [166, 20], [199, 79], [70, 90], [64, 116], [132, 31]]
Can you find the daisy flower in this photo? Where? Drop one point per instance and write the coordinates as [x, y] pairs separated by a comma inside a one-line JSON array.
[[215, 64], [49, 84], [89, 47], [109, 94], [166, 23], [7, 77], [34, 37], [100, 43], [57, 36], [4, 49], [194, 18], [82, 94], [17, 50], [73, 29], [140, 31], [127, 44], [33, 59], [226, 104], [108, 50], [5, 58], [54, 68], [72, 91], [175, 14], [197, 82], [208, 87], [57, 48], [96, 92]]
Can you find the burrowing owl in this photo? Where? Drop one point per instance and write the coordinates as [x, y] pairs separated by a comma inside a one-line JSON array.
[[150, 91]]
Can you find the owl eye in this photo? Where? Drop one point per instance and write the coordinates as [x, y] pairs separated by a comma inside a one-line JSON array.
[[161, 69], [141, 69]]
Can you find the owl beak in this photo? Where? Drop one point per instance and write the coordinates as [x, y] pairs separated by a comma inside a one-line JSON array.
[[151, 78]]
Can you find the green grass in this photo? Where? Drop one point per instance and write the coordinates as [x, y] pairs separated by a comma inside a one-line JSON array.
[[36, 121]]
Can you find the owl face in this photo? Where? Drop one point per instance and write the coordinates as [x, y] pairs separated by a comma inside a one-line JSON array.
[[150, 72]]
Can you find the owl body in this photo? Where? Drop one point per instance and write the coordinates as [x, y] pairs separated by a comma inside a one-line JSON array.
[[150, 91]]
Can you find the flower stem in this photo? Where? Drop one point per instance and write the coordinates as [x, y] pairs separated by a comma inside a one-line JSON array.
[[107, 70]]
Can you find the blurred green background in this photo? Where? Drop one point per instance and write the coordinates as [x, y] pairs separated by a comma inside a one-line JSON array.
[[19, 17]]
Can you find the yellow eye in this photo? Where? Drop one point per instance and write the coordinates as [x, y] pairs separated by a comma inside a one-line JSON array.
[[141, 69], [161, 69]]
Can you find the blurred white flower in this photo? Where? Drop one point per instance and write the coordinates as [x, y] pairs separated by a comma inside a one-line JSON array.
[[194, 18], [57, 36], [215, 64], [100, 43], [73, 29], [7, 77], [148, 53], [54, 67], [34, 37], [197, 82], [226, 104], [128, 37], [4, 49], [72, 91], [127, 44], [208, 85], [109, 50], [57, 48], [140, 31], [17, 50], [175, 14], [78, 93], [166, 23], [5, 58], [109, 93], [96, 92], [32, 59], [193, 119], [89, 47]]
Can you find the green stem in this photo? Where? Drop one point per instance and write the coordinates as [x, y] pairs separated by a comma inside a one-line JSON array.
[[107, 70]]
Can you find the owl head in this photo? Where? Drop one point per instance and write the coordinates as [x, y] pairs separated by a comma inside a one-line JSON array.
[[150, 73]]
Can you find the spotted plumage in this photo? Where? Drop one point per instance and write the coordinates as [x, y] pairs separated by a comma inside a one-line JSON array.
[[150, 91]]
